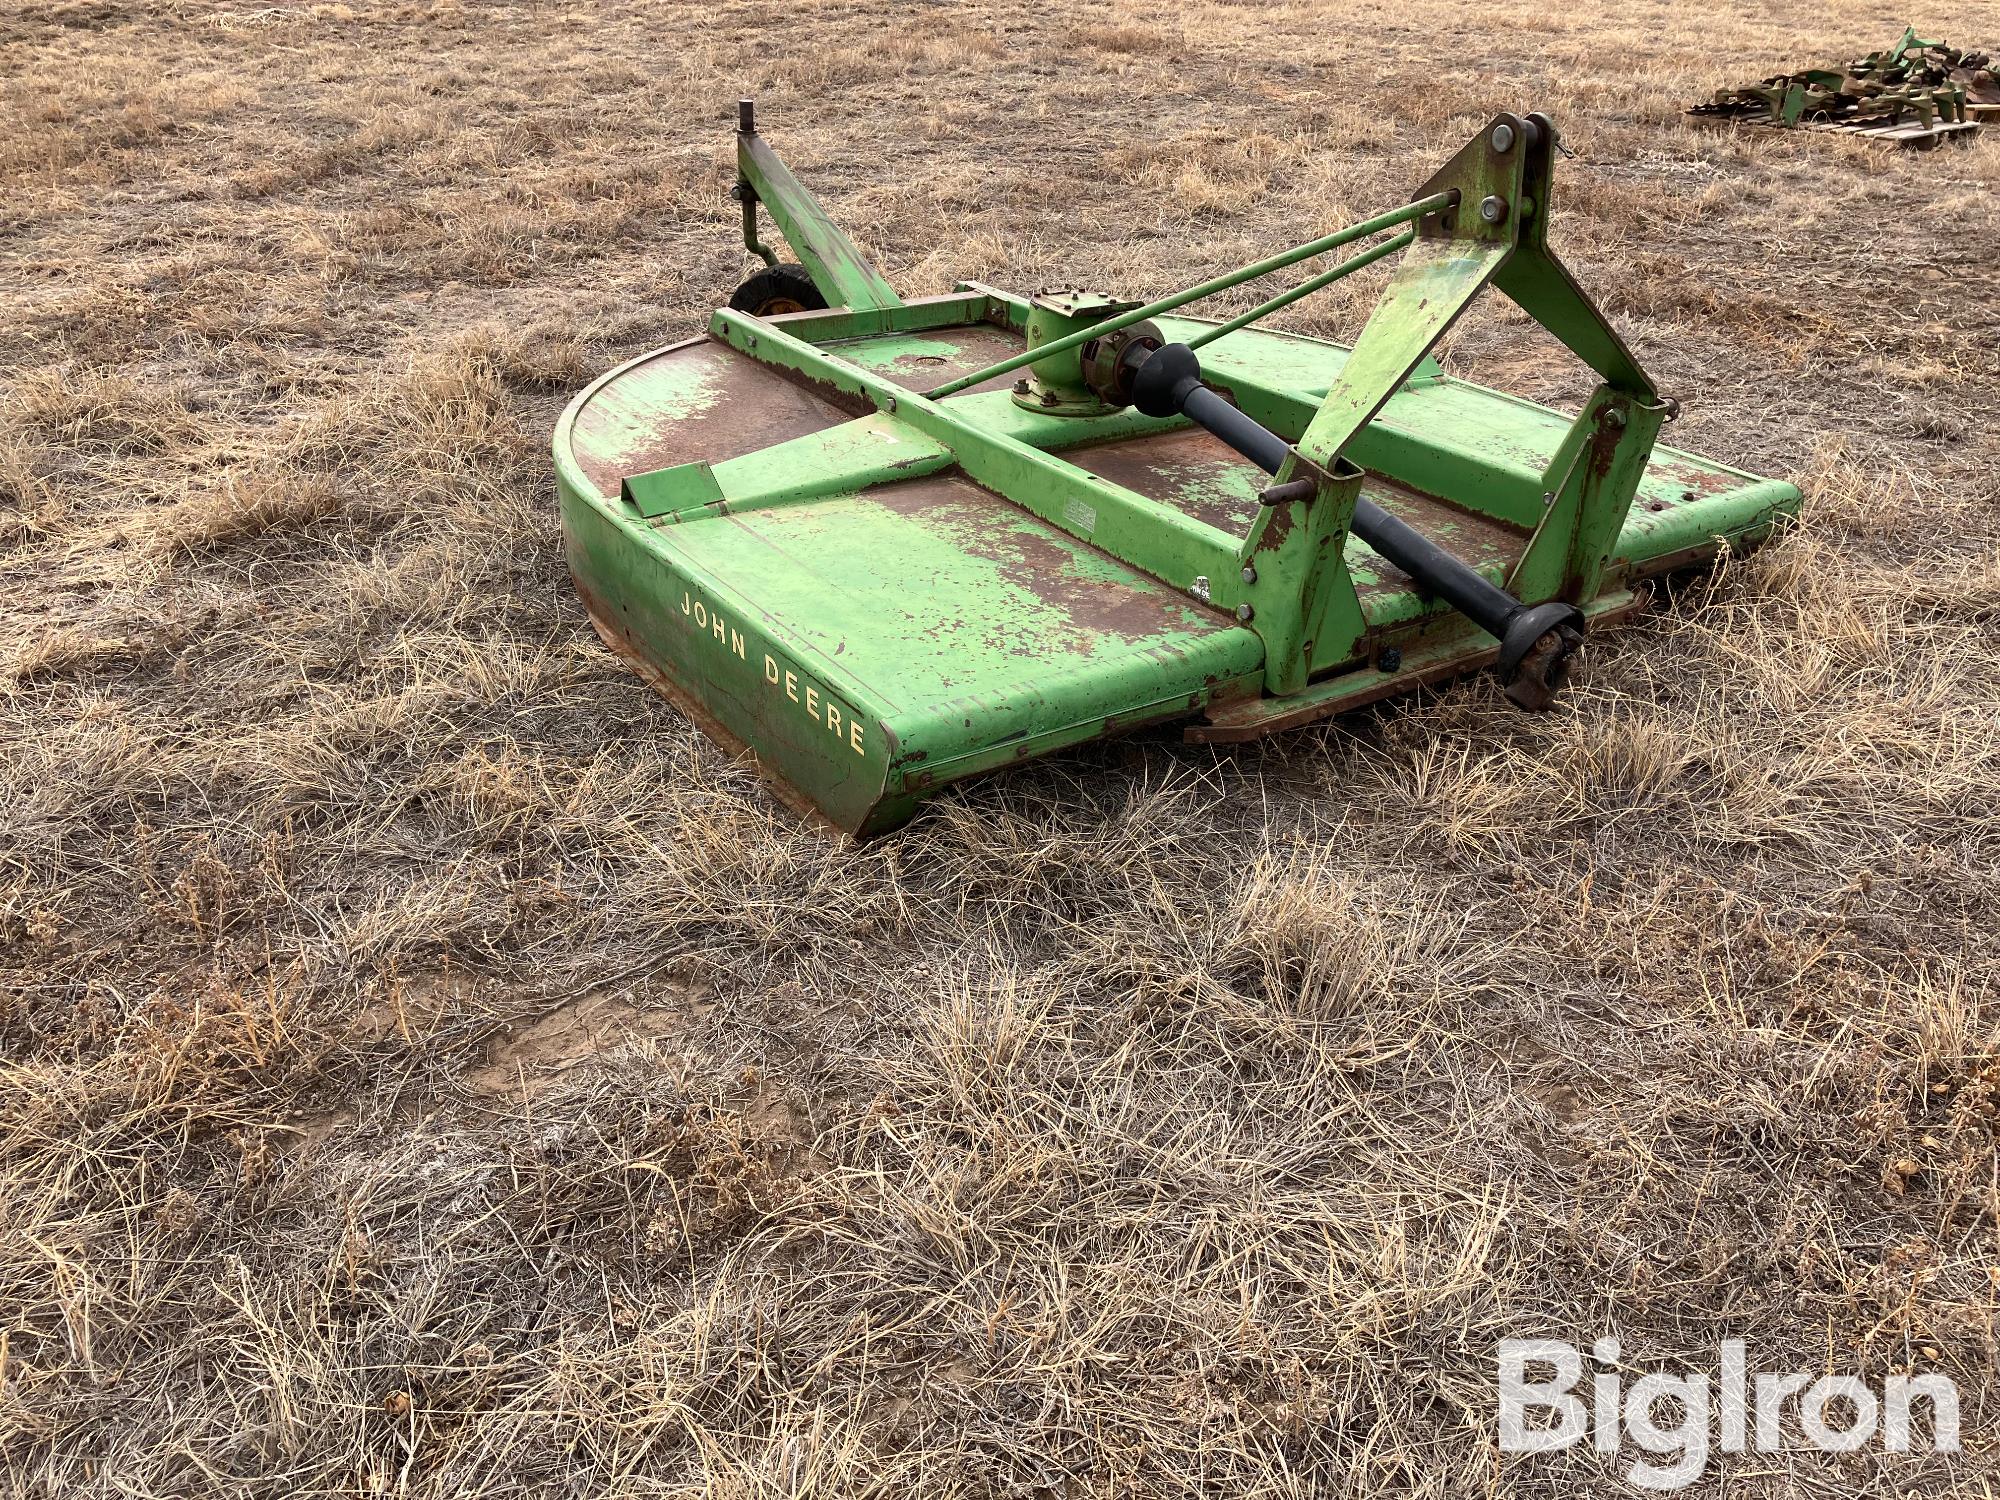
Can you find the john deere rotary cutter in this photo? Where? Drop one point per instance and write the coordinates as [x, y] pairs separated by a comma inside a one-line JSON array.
[[888, 545]]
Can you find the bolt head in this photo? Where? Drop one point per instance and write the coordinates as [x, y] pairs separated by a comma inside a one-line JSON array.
[[1249, 574], [1245, 613], [1493, 210], [1503, 138]]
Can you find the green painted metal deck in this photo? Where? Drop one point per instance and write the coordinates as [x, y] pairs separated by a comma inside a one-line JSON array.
[[878, 642]]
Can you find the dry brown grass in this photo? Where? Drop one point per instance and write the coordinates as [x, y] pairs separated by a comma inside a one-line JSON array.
[[432, 1069]]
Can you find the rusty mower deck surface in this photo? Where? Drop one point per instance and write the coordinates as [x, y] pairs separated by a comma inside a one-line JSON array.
[[889, 545]]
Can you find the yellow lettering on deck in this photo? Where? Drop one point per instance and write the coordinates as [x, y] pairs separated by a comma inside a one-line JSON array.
[[825, 712]]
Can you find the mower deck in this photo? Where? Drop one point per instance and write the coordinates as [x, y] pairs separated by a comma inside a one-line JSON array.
[[886, 545], [875, 643]]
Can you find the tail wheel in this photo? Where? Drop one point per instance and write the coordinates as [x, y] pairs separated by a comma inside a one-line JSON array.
[[777, 289]]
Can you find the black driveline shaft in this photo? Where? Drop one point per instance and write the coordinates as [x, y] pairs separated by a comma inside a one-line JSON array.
[[1170, 381]]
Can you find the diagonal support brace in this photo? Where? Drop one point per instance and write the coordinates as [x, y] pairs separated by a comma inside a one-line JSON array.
[[837, 266]]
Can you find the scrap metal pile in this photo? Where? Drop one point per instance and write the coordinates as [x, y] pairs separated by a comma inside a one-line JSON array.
[[1914, 93]]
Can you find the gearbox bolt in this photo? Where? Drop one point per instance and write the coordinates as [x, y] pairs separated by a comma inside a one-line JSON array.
[[1245, 613], [1493, 210], [1249, 574]]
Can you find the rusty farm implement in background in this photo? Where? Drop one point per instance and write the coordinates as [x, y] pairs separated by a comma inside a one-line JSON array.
[[887, 545], [1915, 93]]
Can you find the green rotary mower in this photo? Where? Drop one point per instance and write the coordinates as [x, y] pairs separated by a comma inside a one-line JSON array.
[[886, 545]]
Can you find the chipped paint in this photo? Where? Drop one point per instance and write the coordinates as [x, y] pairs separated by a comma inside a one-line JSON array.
[[962, 630]]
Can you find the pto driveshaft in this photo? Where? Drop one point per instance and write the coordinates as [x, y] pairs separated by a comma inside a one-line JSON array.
[[1536, 641]]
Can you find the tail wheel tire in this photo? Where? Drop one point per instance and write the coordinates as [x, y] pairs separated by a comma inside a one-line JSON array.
[[777, 289]]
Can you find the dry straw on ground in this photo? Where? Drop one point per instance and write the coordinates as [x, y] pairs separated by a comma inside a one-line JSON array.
[[432, 1069]]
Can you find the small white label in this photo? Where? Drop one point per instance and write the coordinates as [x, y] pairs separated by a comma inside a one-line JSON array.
[[1082, 517], [1200, 589]]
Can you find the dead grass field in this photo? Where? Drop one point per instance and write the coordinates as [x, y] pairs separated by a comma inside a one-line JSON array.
[[432, 1069]]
